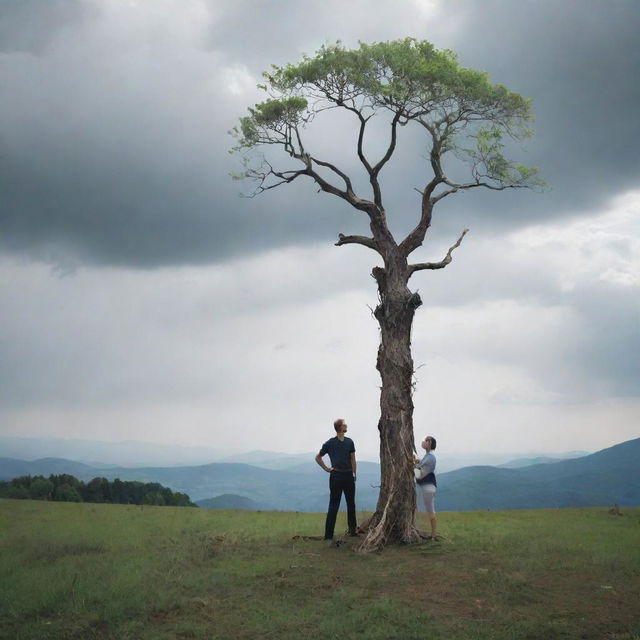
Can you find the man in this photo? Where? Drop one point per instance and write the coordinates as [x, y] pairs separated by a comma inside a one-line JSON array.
[[342, 478]]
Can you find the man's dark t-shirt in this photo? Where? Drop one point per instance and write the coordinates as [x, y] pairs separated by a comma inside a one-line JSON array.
[[340, 453]]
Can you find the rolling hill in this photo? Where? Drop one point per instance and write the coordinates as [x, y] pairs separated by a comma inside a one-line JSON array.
[[602, 478], [12, 468]]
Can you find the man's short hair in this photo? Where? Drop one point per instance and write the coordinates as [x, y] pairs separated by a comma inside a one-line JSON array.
[[338, 423], [433, 442]]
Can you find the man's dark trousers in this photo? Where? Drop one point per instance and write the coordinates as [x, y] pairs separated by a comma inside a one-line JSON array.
[[339, 482]]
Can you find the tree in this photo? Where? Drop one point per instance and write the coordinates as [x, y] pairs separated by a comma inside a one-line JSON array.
[[97, 490], [15, 492], [66, 488], [119, 491], [66, 493], [41, 489], [465, 121]]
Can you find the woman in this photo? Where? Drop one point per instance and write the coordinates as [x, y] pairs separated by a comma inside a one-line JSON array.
[[427, 484]]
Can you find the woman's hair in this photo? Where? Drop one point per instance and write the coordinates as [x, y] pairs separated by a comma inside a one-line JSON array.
[[433, 442]]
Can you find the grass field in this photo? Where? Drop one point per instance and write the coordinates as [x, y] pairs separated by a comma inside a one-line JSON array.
[[82, 571]]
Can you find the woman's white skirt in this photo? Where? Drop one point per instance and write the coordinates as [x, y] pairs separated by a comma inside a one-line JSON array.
[[428, 492]]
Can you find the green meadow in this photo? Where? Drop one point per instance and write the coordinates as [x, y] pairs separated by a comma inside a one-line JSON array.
[[82, 571]]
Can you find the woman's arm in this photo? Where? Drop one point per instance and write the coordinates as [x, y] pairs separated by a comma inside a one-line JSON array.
[[427, 463]]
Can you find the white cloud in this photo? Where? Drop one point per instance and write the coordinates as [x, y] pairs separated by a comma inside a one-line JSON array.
[[237, 80], [604, 247], [525, 395], [268, 351], [556, 304], [245, 348]]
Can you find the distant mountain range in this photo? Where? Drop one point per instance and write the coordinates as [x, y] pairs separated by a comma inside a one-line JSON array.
[[283, 490], [131, 453], [528, 461], [603, 478], [607, 477]]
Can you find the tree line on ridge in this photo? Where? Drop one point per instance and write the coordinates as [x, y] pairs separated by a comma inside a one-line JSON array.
[[67, 488]]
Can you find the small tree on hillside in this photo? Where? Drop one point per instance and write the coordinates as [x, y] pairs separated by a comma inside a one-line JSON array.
[[460, 115], [41, 489]]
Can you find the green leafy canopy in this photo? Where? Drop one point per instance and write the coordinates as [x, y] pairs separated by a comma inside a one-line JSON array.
[[410, 81]]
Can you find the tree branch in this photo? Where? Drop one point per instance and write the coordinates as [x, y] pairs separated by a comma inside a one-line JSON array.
[[472, 185], [438, 265], [358, 203], [262, 175], [415, 238], [392, 145], [363, 240], [372, 171], [363, 124], [344, 176]]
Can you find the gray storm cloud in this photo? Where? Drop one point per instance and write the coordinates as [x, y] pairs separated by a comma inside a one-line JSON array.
[[30, 26], [115, 137]]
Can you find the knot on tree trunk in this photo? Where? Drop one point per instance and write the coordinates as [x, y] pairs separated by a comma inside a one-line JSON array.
[[380, 276], [415, 301]]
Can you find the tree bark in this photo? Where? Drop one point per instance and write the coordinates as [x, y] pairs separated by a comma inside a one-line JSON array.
[[394, 517]]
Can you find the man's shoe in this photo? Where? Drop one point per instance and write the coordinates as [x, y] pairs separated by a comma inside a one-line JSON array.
[[353, 534]]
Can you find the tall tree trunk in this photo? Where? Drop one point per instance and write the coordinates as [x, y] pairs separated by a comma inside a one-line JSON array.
[[394, 518]]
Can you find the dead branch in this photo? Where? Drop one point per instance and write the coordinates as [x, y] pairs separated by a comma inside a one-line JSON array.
[[438, 265], [363, 240]]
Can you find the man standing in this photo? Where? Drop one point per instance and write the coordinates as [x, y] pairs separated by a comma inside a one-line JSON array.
[[342, 478]]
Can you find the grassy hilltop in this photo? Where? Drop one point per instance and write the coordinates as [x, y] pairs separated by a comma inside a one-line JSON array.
[[81, 571]]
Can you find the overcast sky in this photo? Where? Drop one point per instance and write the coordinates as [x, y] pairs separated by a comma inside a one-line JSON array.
[[142, 298]]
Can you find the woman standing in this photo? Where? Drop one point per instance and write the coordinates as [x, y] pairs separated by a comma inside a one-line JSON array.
[[426, 481]]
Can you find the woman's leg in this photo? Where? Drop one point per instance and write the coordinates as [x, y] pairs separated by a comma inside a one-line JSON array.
[[429, 495]]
